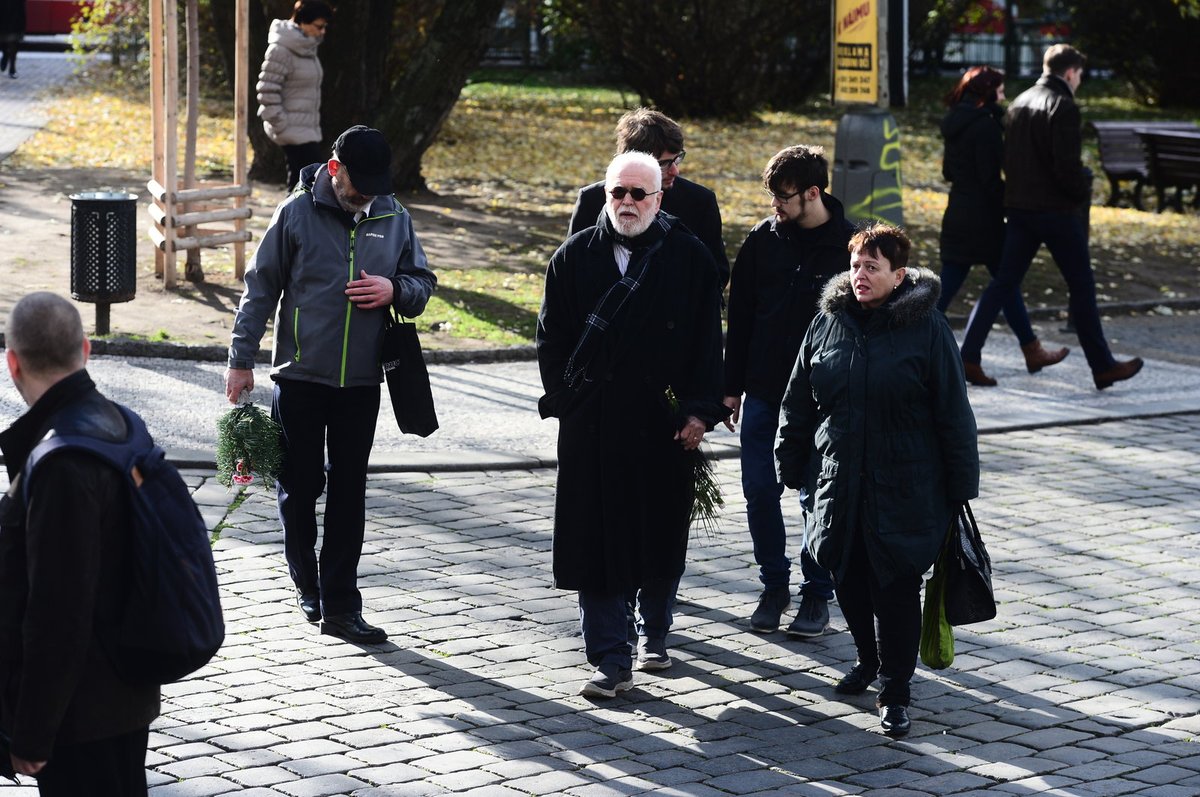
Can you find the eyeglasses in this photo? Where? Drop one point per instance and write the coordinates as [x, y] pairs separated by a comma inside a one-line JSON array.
[[782, 199], [619, 191], [666, 163]]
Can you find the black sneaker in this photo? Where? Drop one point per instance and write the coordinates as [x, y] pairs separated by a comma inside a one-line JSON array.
[[604, 685], [773, 602], [653, 656], [811, 620]]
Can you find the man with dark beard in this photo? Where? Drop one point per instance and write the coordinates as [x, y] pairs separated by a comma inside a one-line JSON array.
[[777, 278], [629, 347], [338, 253]]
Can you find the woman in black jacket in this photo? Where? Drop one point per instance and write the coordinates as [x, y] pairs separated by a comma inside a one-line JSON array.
[[877, 428], [973, 226]]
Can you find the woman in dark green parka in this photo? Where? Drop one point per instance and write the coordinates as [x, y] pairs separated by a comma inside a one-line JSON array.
[[879, 387]]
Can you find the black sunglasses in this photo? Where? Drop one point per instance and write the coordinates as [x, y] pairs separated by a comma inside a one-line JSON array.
[[619, 191]]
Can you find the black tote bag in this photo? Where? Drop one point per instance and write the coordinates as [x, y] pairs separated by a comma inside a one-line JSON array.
[[969, 596], [407, 378]]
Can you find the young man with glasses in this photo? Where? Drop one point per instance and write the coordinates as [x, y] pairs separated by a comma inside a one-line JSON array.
[[777, 278], [631, 313], [655, 133]]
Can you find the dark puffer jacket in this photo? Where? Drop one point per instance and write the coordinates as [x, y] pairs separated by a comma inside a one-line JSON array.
[[973, 225], [882, 395]]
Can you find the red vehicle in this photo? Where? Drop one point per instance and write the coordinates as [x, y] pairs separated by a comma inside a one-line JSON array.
[[43, 17]]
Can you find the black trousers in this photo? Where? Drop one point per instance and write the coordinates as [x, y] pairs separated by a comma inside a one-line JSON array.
[[298, 156], [885, 621], [315, 417], [111, 767]]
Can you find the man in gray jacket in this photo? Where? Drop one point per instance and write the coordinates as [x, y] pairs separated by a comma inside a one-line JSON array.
[[336, 255]]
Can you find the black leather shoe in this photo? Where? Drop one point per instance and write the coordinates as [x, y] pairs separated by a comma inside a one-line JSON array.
[[352, 628], [856, 681], [893, 720], [310, 606]]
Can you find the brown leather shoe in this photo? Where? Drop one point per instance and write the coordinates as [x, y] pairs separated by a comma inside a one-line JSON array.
[[1037, 357], [976, 376], [1118, 373]]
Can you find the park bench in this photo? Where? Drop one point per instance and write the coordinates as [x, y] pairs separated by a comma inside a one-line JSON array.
[[1123, 157], [1174, 162]]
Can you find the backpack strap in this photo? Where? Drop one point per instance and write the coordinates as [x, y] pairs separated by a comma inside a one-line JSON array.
[[124, 455]]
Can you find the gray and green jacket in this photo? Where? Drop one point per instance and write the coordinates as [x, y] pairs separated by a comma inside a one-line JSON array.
[[311, 249]]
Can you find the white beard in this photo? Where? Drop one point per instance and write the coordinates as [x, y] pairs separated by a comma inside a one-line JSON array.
[[629, 226]]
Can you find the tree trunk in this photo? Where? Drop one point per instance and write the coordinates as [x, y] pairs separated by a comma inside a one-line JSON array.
[[422, 98], [397, 65]]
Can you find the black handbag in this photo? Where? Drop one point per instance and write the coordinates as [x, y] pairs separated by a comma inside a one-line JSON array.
[[407, 378], [969, 596]]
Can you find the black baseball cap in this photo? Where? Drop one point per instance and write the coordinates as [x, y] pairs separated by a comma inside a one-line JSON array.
[[368, 156]]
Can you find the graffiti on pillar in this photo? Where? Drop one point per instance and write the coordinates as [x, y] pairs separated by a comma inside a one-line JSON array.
[[885, 201]]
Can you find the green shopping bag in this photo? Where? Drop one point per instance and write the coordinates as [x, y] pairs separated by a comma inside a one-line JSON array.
[[937, 637]]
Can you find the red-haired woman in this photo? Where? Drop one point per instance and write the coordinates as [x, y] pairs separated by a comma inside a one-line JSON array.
[[973, 227]]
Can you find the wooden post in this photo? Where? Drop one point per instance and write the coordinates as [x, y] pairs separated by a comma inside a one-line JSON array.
[[157, 76], [240, 99], [192, 271], [171, 125]]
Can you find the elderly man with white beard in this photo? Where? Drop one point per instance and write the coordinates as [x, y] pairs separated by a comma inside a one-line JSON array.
[[629, 347]]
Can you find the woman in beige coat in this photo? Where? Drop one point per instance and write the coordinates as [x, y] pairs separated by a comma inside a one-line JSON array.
[[289, 85]]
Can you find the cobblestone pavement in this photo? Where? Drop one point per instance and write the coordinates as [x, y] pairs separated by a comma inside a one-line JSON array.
[[1086, 684]]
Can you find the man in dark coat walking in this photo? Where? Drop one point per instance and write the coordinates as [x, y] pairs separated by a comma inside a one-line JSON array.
[[1046, 190], [629, 347], [777, 277], [656, 134], [64, 561]]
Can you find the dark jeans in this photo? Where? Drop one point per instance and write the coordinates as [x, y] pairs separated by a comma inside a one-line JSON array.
[[309, 413], [113, 767], [608, 639], [763, 491], [1065, 235], [953, 277], [885, 621], [298, 156]]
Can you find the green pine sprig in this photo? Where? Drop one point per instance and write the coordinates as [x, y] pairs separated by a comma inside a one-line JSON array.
[[248, 445], [707, 501]]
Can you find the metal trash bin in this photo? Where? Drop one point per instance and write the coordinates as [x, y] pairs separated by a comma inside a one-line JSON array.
[[103, 250], [866, 166]]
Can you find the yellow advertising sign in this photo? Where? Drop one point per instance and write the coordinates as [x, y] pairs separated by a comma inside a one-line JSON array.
[[856, 51]]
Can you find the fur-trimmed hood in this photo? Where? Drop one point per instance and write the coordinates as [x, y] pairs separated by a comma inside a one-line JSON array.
[[913, 300]]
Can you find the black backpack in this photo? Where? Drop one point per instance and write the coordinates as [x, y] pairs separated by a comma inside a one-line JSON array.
[[170, 624]]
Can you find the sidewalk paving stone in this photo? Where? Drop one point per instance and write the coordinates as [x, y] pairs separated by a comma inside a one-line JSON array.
[[1086, 683]]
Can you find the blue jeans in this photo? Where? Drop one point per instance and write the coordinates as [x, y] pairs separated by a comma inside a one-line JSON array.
[[764, 515], [1065, 235], [604, 618], [310, 414], [955, 274]]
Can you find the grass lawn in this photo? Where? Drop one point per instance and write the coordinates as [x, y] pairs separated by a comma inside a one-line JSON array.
[[518, 146]]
